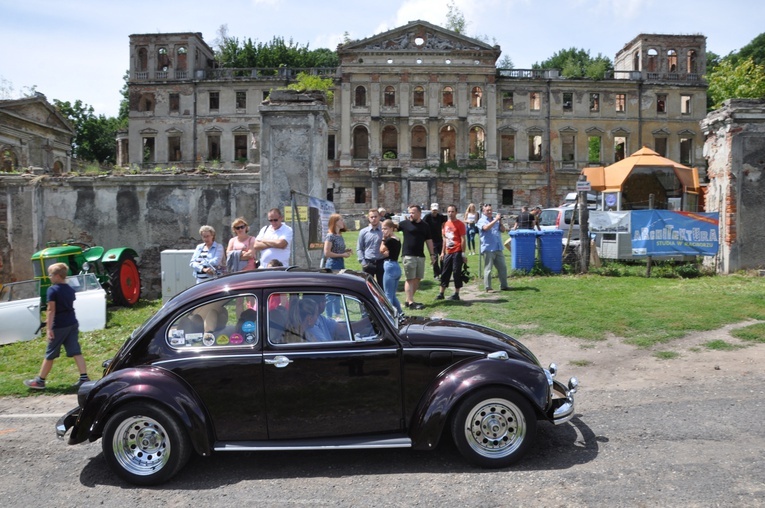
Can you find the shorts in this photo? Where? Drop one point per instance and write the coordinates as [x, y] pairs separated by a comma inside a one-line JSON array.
[[67, 336], [414, 267]]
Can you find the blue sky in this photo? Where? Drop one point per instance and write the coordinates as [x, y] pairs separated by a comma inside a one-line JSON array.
[[78, 49]]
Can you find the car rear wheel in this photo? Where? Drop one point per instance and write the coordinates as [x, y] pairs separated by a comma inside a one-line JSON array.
[[125, 281], [494, 427], [144, 444]]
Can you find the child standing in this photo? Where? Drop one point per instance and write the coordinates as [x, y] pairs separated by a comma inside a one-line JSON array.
[[62, 328]]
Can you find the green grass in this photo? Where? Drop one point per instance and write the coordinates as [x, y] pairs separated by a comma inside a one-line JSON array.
[[590, 308], [666, 355], [721, 345]]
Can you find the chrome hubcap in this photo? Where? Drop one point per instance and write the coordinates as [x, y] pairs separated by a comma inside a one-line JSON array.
[[141, 445], [495, 428]]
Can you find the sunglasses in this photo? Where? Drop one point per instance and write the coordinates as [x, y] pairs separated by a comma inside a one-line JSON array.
[[274, 220], [240, 227]]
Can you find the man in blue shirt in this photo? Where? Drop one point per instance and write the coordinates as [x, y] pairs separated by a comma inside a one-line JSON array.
[[491, 229], [368, 247]]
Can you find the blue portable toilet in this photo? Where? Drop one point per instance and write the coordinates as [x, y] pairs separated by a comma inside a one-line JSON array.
[[523, 251], [551, 249]]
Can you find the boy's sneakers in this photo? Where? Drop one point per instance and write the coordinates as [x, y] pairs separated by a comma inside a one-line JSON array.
[[79, 383], [455, 297], [36, 383], [440, 296]]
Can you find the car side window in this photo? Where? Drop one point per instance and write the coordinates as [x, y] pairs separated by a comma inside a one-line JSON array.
[[363, 326], [226, 322]]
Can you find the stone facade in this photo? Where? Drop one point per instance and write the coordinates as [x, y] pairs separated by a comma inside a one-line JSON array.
[[422, 114], [34, 136], [735, 151]]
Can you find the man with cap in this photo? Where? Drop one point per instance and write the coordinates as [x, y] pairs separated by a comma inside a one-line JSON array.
[[435, 222]]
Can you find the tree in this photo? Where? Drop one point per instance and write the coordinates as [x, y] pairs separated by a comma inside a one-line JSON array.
[[455, 19], [742, 80], [754, 50], [505, 62], [577, 63], [95, 136]]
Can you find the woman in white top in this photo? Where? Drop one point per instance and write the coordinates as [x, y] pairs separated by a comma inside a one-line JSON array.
[[471, 217]]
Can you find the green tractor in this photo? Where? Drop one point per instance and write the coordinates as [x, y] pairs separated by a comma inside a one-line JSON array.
[[115, 269]]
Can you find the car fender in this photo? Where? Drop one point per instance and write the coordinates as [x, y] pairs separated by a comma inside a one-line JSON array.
[[452, 385], [116, 254], [152, 384]]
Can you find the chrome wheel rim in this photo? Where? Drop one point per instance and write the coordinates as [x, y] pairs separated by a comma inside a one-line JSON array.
[[141, 445], [495, 428]]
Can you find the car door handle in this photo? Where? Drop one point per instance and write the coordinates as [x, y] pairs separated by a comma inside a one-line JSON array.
[[280, 361], [32, 307]]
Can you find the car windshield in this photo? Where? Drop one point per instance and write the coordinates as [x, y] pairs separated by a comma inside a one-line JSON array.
[[388, 311], [548, 217]]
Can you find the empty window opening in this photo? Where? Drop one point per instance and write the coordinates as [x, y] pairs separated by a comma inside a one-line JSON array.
[[359, 195], [182, 52], [594, 102], [507, 147], [389, 98], [330, 194], [661, 103], [331, 147], [266, 94], [148, 149], [241, 100], [143, 60], [213, 148], [146, 103], [672, 60], [535, 101], [418, 96], [448, 143], [568, 101], [507, 101], [621, 103], [240, 147], [660, 146], [419, 142], [174, 148], [594, 144], [636, 61], [507, 197], [620, 148], [535, 147], [477, 143], [692, 61], [568, 147], [214, 100], [685, 104], [685, 151], [389, 142], [447, 97], [360, 143], [163, 59], [175, 102], [652, 60], [476, 97], [361, 97]]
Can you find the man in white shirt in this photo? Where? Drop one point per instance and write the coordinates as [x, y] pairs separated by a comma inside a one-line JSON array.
[[274, 241]]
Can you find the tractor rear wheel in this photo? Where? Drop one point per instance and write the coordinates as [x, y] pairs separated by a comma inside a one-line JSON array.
[[125, 281]]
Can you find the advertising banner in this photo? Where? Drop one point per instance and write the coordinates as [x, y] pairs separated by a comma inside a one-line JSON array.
[[325, 209], [664, 232]]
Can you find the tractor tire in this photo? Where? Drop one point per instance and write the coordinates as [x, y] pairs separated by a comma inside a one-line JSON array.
[[125, 281]]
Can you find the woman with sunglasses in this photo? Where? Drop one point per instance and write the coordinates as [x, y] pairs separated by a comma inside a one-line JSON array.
[[242, 243]]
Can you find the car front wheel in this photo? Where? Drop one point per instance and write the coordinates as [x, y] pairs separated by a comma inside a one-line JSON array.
[[144, 444], [494, 427]]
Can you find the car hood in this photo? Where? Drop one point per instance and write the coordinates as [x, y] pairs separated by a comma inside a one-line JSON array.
[[434, 332]]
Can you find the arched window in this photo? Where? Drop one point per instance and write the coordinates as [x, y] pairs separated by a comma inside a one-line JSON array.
[[143, 60], [181, 61], [636, 61], [672, 60], [651, 64], [418, 96], [692, 63], [419, 142], [476, 97], [361, 97], [389, 142], [477, 143], [360, 142], [163, 60], [448, 143], [389, 97], [447, 97]]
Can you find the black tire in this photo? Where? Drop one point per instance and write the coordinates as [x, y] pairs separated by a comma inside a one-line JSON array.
[[144, 444], [125, 281], [494, 427]]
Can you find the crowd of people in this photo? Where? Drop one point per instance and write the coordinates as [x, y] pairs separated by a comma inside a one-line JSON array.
[[445, 239]]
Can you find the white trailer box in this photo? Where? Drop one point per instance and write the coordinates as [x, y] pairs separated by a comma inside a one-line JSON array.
[[176, 272]]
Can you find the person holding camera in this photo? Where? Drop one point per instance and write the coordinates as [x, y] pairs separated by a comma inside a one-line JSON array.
[[452, 253], [491, 228]]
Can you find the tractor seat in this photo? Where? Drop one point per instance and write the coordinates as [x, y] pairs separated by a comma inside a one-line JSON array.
[[93, 254]]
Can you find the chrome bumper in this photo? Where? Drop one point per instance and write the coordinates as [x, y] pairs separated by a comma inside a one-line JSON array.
[[563, 402], [66, 422]]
